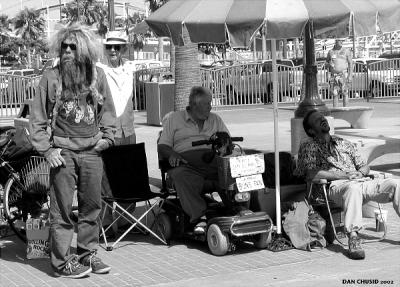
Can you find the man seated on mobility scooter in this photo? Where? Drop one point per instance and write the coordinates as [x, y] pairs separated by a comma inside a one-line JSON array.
[[189, 171], [185, 141]]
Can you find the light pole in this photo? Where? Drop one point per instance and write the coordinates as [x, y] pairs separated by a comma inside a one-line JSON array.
[[111, 14], [311, 100], [77, 10]]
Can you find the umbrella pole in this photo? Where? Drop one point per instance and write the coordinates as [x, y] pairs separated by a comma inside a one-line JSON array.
[[276, 137], [278, 243]]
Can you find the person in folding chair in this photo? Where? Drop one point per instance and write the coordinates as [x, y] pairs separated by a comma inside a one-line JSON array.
[[337, 160], [189, 170], [75, 98]]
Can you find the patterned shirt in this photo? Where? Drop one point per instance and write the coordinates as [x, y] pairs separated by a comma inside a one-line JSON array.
[[338, 155]]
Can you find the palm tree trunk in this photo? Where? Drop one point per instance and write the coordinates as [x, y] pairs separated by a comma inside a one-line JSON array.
[[187, 71]]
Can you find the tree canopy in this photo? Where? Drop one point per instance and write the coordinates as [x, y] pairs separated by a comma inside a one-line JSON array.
[[29, 25]]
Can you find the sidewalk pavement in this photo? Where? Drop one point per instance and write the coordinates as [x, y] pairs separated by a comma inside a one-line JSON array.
[[142, 261]]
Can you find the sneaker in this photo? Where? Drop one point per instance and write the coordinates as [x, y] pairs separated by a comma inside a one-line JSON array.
[[73, 269], [97, 266], [355, 250]]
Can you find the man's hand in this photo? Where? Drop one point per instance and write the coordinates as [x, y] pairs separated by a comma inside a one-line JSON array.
[[349, 78], [175, 159], [355, 175], [101, 145], [55, 159]]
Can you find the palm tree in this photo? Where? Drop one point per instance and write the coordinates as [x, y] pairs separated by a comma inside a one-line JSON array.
[[90, 12], [4, 34], [187, 68], [4, 26], [29, 25]]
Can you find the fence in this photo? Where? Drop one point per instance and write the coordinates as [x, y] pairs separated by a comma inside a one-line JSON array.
[[139, 87], [248, 84], [244, 84], [14, 90]]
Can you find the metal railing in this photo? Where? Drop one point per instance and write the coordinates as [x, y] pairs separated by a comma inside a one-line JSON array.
[[139, 87], [251, 83], [248, 84], [4, 69], [242, 84], [14, 90]]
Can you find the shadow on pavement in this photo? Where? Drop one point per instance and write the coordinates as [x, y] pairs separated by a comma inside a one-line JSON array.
[[14, 250]]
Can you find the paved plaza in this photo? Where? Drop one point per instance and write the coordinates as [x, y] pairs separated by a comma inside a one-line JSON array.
[[141, 261]]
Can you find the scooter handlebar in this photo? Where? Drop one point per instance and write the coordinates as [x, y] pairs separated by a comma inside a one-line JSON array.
[[200, 142], [237, 139]]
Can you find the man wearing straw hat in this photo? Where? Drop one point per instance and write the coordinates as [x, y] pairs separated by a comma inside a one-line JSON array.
[[119, 74], [340, 66]]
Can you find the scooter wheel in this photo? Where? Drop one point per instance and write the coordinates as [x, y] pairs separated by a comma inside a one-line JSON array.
[[262, 240], [218, 241], [164, 226]]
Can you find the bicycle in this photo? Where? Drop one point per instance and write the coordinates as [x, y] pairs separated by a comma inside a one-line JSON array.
[[26, 189]]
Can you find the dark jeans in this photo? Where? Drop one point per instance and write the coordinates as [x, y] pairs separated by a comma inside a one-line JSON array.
[[189, 182], [83, 169]]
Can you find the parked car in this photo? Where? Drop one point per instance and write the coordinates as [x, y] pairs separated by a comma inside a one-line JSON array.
[[252, 83], [376, 76], [389, 55], [146, 64], [373, 76]]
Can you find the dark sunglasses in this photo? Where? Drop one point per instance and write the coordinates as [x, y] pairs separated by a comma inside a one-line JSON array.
[[116, 47], [65, 46]]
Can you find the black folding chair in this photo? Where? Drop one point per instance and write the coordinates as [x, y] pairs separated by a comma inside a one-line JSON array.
[[126, 170]]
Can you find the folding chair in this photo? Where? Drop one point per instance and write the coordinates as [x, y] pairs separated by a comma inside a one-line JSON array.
[[333, 213], [126, 170]]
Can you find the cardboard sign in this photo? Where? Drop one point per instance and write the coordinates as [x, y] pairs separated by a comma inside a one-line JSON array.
[[246, 165], [248, 183]]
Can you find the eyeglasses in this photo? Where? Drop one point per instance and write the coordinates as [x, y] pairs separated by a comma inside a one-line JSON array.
[[116, 47], [65, 46]]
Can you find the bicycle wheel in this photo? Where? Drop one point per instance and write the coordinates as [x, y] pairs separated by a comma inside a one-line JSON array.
[[21, 199]]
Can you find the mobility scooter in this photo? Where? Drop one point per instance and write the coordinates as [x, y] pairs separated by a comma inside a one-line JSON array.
[[229, 222]]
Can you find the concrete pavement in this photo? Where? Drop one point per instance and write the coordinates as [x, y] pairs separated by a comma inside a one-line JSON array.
[[142, 261]]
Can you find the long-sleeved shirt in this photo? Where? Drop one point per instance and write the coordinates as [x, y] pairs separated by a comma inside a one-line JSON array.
[[79, 123]]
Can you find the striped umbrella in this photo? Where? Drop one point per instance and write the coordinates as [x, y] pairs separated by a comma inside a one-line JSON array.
[[237, 21]]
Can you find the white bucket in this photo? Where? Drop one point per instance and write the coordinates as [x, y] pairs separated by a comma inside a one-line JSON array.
[[380, 219], [368, 209]]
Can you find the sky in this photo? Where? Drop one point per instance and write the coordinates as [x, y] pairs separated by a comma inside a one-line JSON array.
[[11, 7]]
